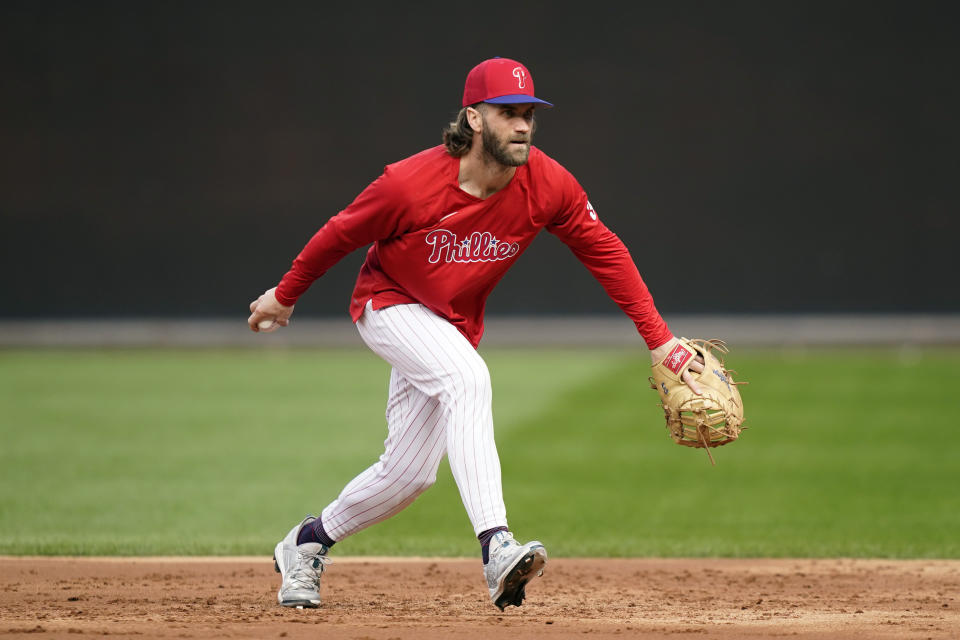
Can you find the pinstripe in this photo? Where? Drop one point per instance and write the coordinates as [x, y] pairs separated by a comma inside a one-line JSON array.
[[394, 463], [372, 495], [429, 464], [464, 424], [454, 433], [393, 473], [439, 402], [400, 455]]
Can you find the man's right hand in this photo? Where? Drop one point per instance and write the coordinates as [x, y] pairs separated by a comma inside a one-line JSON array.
[[265, 309]]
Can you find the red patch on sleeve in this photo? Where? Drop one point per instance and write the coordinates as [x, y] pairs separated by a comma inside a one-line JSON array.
[[677, 358]]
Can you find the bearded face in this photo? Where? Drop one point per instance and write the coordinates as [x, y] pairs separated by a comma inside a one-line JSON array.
[[507, 134]]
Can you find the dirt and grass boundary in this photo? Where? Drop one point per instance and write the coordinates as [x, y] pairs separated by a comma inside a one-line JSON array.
[[400, 598]]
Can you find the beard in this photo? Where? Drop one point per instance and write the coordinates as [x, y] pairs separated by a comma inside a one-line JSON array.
[[503, 151]]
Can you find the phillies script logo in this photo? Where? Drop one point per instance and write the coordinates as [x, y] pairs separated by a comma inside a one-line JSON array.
[[677, 358], [477, 247]]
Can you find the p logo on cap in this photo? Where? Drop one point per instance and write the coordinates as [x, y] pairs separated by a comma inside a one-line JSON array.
[[520, 74], [500, 81]]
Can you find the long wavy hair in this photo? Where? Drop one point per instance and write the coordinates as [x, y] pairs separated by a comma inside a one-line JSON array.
[[458, 135]]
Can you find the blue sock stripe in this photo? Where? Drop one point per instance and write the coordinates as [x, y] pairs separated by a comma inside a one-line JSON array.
[[321, 534], [314, 532], [484, 538]]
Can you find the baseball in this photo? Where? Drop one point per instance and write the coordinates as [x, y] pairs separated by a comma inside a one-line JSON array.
[[265, 324]]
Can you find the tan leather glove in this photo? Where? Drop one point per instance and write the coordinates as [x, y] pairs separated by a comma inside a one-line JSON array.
[[711, 419]]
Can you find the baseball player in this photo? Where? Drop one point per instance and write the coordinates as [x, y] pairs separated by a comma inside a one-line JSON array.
[[445, 225]]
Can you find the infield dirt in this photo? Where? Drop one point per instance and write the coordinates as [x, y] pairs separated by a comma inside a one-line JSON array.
[[391, 598]]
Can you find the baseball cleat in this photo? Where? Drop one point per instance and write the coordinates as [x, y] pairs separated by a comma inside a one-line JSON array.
[[511, 566], [300, 568]]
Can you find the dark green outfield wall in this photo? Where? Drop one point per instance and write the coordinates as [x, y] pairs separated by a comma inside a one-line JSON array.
[[171, 158]]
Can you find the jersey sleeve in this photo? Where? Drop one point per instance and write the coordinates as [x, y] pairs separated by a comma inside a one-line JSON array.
[[608, 259], [375, 214]]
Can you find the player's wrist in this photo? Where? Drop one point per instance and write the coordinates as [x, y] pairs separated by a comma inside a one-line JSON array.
[[283, 300], [659, 352]]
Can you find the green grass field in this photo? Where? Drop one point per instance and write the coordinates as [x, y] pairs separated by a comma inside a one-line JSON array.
[[143, 452]]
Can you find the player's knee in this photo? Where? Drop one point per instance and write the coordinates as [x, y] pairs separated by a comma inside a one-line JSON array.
[[471, 383], [414, 485], [422, 484]]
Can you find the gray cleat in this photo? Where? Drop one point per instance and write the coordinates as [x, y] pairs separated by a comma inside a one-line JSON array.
[[299, 568], [511, 566]]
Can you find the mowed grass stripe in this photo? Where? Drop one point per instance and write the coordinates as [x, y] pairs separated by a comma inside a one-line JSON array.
[[205, 451], [219, 452], [837, 462]]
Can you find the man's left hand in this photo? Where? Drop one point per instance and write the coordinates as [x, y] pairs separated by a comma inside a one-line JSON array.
[[695, 365]]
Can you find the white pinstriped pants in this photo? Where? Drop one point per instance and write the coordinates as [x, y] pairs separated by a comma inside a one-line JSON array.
[[440, 403]]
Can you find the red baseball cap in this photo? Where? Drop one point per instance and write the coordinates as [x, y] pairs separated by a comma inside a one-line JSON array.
[[500, 81]]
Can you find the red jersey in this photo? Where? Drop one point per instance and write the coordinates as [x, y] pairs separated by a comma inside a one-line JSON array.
[[437, 245]]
